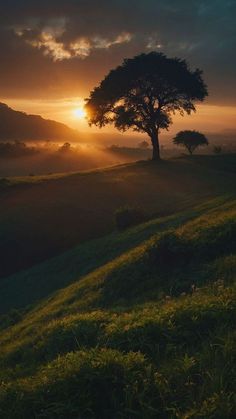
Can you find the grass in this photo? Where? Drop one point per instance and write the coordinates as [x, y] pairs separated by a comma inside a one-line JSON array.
[[43, 217], [172, 359], [136, 324], [28, 286]]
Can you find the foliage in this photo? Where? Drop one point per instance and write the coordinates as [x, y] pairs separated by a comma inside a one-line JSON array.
[[143, 93], [65, 148], [191, 140]]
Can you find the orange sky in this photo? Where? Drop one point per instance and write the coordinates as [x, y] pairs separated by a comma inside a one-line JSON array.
[[55, 52], [208, 118]]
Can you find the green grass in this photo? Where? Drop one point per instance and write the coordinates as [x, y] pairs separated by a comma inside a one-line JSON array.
[[138, 324], [33, 284]]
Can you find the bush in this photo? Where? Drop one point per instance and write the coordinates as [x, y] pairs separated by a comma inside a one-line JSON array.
[[126, 217]]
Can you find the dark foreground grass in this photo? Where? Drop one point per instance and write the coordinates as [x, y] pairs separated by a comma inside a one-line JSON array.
[[147, 334], [174, 360]]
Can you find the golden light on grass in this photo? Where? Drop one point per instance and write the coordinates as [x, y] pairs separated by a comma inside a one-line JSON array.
[[79, 113]]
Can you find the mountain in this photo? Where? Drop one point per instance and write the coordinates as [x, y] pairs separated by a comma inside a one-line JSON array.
[[15, 125]]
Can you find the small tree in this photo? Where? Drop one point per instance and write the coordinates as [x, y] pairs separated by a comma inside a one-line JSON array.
[[190, 140], [143, 93], [64, 148]]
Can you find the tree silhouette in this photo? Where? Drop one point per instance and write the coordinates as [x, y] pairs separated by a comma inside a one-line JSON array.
[[65, 148], [143, 93], [190, 140]]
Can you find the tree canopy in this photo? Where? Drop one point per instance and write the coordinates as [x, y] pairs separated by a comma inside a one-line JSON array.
[[143, 93], [190, 140]]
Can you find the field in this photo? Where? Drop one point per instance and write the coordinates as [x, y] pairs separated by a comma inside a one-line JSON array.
[[131, 324]]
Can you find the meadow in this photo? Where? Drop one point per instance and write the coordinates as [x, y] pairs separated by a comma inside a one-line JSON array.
[[144, 316]]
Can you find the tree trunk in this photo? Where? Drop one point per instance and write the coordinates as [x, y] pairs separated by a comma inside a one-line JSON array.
[[156, 147]]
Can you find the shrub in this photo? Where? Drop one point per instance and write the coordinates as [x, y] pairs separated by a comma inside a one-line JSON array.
[[126, 217]]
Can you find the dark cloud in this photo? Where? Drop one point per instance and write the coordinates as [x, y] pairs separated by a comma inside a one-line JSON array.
[[63, 47]]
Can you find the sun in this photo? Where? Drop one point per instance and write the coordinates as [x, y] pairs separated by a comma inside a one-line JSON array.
[[79, 113]]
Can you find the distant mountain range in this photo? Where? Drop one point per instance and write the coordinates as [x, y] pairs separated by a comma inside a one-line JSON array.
[[19, 126], [15, 125]]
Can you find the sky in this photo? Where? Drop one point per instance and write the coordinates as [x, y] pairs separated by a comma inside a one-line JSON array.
[[54, 52]]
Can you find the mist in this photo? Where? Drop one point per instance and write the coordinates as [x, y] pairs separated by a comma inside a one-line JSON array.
[[19, 159]]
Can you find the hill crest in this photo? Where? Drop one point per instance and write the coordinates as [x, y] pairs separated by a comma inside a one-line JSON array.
[[16, 125]]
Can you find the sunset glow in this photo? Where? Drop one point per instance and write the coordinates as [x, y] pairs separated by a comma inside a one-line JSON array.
[[79, 113], [70, 111]]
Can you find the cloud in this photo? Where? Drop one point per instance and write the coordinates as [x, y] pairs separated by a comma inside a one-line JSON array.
[[51, 47], [50, 41], [83, 47], [122, 38], [71, 44], [153, 43]]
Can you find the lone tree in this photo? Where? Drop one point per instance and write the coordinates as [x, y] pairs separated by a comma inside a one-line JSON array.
[[190, 140], [143, 93]]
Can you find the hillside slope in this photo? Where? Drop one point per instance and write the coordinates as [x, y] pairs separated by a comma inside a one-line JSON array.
[[15, 125], [148, 322], [29, 286], [42, 217]]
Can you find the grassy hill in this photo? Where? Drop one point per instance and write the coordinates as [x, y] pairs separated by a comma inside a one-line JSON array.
[[138, 324], [41, 217]]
